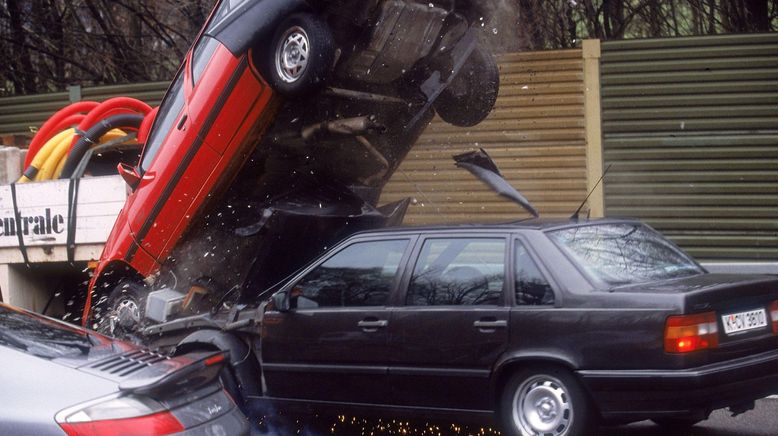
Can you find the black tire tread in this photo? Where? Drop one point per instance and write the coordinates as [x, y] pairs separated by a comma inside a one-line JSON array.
[[470, 97]]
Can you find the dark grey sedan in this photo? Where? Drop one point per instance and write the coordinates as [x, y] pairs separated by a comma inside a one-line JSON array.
[[60, 379]]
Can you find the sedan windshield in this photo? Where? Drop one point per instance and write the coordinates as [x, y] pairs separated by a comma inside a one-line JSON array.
[[624, 253]]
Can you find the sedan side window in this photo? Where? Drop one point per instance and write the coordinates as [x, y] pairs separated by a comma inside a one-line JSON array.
[[202, 54], [458, 272], [168, 113], [226, 9], [531, 287], [362, 274]]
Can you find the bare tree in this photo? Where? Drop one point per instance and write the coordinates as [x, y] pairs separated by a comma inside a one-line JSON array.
[[49, 44], [745, 15]]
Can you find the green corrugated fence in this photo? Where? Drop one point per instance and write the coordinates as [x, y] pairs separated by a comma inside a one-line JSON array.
[[691, 128]]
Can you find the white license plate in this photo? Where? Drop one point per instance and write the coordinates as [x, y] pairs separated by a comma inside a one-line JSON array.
[[744, 321]]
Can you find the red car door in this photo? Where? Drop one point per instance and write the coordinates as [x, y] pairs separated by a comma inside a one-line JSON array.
[[220, 102], [170, 137], [230, 106]]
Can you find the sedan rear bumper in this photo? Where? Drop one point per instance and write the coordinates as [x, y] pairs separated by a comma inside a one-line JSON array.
[[642, 394]]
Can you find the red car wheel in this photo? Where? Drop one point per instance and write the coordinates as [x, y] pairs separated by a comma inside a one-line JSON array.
[[302, 55]]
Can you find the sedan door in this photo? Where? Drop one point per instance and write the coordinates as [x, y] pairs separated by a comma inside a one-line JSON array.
[[332, 344], [453, 326]]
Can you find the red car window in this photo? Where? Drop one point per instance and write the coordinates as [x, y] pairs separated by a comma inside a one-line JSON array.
[[223, 11], [203, 52], [166, 117]]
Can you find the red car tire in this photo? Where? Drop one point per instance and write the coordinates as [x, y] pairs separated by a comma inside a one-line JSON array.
[[301, 56]]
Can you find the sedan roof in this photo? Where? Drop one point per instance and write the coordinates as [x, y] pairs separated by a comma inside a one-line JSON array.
[[542, 224]]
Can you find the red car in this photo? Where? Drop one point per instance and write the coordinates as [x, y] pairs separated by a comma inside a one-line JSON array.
[[324, 99]]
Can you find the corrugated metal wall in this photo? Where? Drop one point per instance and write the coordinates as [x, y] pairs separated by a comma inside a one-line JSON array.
[[691, 128], [535, 134], [20, 115]]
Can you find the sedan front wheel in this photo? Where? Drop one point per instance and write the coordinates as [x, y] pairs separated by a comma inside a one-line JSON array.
[[545, 402]]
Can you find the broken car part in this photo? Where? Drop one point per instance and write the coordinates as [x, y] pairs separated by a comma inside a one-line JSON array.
[[482, 166]]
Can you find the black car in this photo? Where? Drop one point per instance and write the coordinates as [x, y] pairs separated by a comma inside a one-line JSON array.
[[550, 326], [59, 379]]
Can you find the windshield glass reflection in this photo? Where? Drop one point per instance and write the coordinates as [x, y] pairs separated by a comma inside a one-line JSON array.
[[32, 336], [627, 253]]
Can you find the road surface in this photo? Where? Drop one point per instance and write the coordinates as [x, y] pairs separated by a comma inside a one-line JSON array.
[[762, 421]]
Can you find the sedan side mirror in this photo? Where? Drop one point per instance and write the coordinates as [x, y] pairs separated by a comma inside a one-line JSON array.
[[129, 174], [281, 301]]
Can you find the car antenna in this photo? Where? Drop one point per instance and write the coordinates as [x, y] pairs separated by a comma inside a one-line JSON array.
[[578, 211]]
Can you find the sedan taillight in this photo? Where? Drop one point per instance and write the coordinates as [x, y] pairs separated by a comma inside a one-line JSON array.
[[686, 333], [119, 415], [774, 316]]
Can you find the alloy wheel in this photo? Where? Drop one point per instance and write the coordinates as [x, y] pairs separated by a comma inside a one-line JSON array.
[[292, 54]]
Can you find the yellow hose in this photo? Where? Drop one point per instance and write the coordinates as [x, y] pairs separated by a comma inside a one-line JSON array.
[[51, 158], [43, 154], [53, 166], [60, 165], [50, 164]]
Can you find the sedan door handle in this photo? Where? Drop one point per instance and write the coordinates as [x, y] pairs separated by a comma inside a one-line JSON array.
[[490, 324], [182, 121], [365, 324]]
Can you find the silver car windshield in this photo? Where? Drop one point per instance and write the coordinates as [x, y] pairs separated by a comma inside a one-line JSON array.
[[624, 253]]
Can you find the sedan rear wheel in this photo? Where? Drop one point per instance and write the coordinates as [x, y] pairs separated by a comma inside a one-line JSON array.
[[545, 402]]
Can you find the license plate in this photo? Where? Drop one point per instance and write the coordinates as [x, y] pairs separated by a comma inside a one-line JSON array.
[[744, 321]]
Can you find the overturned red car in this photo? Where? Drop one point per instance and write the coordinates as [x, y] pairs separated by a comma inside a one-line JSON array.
[[280, 129]]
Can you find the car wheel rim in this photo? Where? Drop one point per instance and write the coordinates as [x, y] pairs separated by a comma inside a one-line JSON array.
[[123, 316], [541, 406], [292, 55], [127, 312]]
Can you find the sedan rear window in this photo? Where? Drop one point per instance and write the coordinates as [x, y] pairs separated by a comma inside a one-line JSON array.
[[531, 287], [624, 253]]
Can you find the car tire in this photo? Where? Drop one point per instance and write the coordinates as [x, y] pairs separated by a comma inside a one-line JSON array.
[[471, 95], [230, 384], [301, 55], [547, 401], [124, 310]]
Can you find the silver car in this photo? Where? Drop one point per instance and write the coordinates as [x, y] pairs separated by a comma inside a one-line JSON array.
[[59, 379]]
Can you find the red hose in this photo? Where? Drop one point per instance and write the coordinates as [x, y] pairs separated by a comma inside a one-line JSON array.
[[145, 126], [110, 107], [54, 124]]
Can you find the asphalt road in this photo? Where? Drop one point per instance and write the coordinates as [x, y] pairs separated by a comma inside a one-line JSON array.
[[762, 421]]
